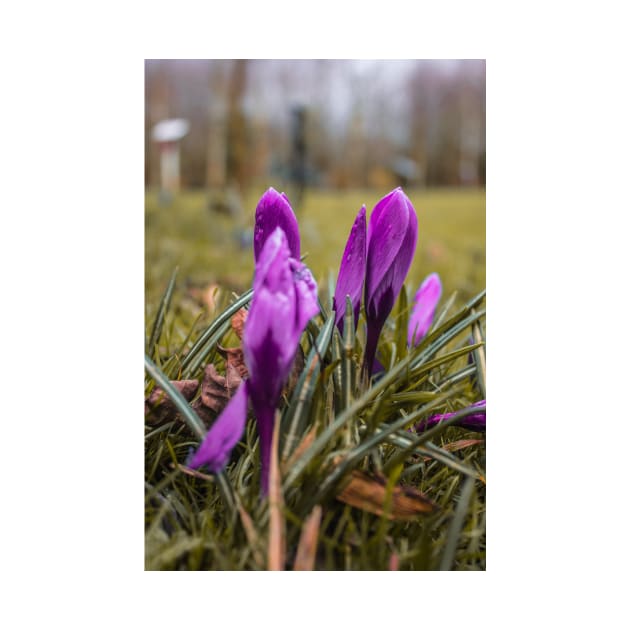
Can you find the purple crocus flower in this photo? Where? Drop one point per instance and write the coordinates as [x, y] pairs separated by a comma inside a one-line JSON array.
[[423, 311], [285, 298], [391, 243], [274, 210], [473, 422], [351, 272]]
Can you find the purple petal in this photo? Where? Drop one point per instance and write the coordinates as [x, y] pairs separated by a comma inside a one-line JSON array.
[[386, 230], [382, 285], [351, 272], [425, 303], [285, 298], [273, 211], [472, 422], [224, 433], [268, 343], [306, 297]]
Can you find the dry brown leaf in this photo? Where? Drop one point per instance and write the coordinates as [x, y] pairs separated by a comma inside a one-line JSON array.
[[305, 556], [216, 390], [234, 357], [206, 414], [158, 407], [238, 322], [368, 493]]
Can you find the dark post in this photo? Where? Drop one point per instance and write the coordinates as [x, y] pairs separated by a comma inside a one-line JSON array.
[[298, 155]]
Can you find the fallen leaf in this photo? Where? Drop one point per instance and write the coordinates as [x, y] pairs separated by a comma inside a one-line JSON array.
[[158, 407], [216, 390], [234, 357], [238, 322], [206, 414], [368, 493]]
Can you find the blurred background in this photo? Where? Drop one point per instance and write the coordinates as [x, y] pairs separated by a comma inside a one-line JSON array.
[[333, 135]]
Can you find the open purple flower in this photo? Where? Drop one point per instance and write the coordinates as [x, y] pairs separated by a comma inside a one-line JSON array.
[[351, 272], [274, 210], [423, 311], [391, 243], [473, 422], [285, 298]]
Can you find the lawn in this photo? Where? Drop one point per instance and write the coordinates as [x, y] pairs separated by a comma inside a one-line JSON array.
[[362, 480], [209, 249]]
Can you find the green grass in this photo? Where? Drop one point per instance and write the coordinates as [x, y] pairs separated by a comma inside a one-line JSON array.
[[220, 522], [203, 244]]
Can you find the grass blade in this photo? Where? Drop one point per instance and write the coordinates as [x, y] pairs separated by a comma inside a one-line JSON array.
[[301, 400], [480, 358], [348, 368], [156, 331], [211, 331], [189, 416], [457, 524], [322, 440]]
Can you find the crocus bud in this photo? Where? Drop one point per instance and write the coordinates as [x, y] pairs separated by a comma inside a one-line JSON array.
[[351, 272], [391, 243], [274, 210], [475, 421], [423, 311], [285, 298]]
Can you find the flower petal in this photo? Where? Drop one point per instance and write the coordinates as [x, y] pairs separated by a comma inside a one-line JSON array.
[[380, 297], [426, 301], [305, 297], [386, 230], [274, 210], [268, 345], [224, 434], [472, 422], [392, 237], [285, 298], [351, 271]]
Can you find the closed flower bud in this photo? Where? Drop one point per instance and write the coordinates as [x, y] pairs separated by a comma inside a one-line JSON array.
[[351, 272], [423, 311], [391, 243]]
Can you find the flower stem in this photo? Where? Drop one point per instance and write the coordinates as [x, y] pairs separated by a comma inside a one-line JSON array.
[[265, 419], [373, 333]]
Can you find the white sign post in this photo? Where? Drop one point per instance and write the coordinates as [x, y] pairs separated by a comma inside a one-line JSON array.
[[168, 133]]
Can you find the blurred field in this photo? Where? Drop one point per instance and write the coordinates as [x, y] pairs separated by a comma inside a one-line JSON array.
[[212, 248]]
